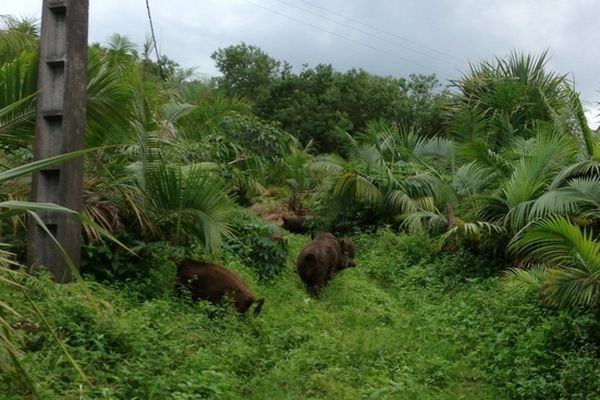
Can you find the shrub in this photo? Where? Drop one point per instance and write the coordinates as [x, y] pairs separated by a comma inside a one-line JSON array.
[[148, 274], [347, 220], [258, 245], [386, 255]]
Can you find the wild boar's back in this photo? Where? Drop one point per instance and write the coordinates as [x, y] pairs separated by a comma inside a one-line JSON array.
[[318, 261], [211, 282]]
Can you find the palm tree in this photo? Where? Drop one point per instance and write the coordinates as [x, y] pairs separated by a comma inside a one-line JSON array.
[[499, 203], [377, 175], [508, 97], [296, 170], [188, 203], [18, 80]]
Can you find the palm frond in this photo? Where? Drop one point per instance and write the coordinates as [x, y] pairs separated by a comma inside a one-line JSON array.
[[472, 178], [397, 201], [532, 277], [418, 220], [18, 81], [557, 242], [189, 204], [478, 151], [40, 164], [110, 96], [328, 165], [581, 197], [474, 231], [582, 169], [518, 216], [571, 287], [436, 147], [355, 187]]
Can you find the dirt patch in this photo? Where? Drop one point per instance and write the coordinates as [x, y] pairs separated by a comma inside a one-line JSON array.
[[271, 213]]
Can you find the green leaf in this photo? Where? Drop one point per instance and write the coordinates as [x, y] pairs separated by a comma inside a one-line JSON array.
[[40, 164]]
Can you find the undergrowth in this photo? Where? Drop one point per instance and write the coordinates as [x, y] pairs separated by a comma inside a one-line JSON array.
[[407, 323]]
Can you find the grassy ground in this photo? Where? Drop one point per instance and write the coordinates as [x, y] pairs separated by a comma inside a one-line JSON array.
[[402, 325]]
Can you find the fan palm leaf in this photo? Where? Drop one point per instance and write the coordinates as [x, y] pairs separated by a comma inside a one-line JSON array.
[[186, 204]]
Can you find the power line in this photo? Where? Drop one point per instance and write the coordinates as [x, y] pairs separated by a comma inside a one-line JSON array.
[[381, 30], [369, 33], [348, 38], [153, 37]]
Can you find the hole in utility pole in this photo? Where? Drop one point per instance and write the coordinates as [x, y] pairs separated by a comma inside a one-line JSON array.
[[49, 185], [58, 8]]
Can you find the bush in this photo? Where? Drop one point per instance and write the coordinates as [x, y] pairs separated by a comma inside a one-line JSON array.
[[258, 245], [386, 255], [148, 274], [347, 220]]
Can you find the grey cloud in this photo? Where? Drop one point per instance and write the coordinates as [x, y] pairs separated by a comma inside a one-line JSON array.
[[464, 30]]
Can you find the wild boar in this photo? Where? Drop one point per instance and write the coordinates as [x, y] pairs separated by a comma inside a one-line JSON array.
[[294, 224], [319, 260], [212, 282]]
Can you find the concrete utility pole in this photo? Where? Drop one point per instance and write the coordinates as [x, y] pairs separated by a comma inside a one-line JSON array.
[[59, 128]]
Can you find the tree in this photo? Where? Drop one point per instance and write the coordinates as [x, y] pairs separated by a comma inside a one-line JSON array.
[[18, 81], [246, 70], [377, 181], [509, 97], [318, 103]]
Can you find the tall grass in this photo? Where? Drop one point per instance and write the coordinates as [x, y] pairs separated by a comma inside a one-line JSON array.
[[406, 323]]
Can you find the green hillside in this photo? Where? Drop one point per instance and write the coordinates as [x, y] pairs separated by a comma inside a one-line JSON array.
[[404, 324]]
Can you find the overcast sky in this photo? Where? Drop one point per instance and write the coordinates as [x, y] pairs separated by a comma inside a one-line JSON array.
[[383, 37]]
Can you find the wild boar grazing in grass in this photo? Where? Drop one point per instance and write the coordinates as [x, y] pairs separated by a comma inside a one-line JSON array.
[[319, 260], [206, 281]]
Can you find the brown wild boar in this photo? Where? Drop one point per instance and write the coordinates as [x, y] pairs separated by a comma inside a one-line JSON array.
[[319, 260], [211, 282], [294, 224]]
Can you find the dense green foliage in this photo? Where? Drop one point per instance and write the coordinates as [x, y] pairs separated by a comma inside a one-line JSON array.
[[406, 323], [445, 192], [320, 103], [259, 245]]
